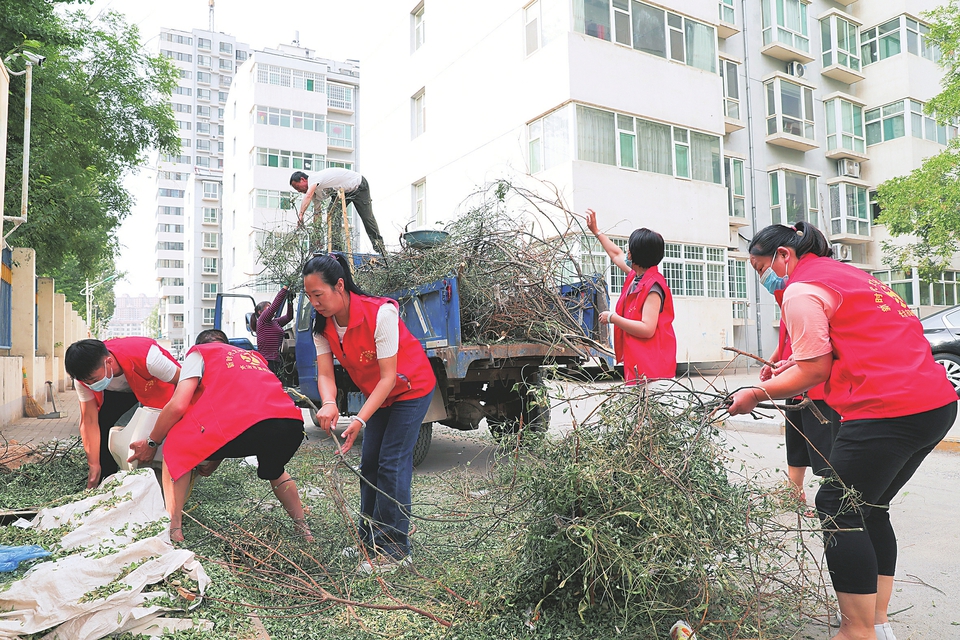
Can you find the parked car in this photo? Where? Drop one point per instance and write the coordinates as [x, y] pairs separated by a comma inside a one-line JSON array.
[[942, 331]]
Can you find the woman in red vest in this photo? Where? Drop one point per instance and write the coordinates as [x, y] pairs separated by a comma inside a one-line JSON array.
[[366, 336], [893, 411], [643, 337]]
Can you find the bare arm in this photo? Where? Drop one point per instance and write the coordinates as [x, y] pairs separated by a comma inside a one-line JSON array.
[[805, 375], [328, 413], [617, 255], [644, 328], [307, 199], [90, 435], [171, 414], [388, 379]]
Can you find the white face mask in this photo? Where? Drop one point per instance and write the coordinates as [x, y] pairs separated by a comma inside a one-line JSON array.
[[104, 382]]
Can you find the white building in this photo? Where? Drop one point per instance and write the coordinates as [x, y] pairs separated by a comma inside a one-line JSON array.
[[685, 116], [129, 314], [188, 260], [288, 110]]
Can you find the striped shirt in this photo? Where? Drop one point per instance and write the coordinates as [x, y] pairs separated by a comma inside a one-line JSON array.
[[270, 329]]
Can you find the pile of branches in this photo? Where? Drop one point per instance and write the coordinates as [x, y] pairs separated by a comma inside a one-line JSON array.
[[636, 513]]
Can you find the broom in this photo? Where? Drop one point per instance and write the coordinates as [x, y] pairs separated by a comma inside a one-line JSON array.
[[30, 406]]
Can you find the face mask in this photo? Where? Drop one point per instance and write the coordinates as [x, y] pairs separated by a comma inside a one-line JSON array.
[[103, 383], [772, 282]]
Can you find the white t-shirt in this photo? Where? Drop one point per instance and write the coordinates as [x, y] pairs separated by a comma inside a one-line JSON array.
[[335, 178], [192, 366], [386, 335], [158, 365]]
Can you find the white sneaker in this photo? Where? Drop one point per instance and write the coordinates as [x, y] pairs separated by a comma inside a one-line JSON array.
[[884, 631], [350, 552], [384, 564]]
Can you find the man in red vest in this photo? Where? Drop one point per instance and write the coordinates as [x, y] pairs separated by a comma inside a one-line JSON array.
[[228, 404], [111, 378]]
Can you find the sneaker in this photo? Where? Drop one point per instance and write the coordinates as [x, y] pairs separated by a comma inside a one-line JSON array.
[[350, 552], [383, 564]]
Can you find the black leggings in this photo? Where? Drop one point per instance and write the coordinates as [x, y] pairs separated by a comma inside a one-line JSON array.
[[809, 441], [875, 458]]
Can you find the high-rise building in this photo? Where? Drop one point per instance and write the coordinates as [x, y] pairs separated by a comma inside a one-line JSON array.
[[188, 255], [129, 312], [705, 120], [287, 110]]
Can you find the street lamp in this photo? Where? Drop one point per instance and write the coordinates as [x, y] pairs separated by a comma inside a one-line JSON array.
[[30, 59], [88, 292]]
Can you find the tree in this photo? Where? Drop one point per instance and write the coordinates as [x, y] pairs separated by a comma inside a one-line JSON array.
[[100, 102], [923, 208]]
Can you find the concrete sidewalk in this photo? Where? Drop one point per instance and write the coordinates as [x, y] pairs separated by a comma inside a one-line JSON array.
[[35, 430]]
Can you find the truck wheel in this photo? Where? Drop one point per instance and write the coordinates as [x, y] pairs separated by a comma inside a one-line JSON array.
[[423, 443]]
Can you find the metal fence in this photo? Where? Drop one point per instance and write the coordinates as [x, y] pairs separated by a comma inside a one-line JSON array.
[[6, 299]]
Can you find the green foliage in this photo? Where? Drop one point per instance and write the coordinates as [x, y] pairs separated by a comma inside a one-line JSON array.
[[922, 209], [99, 104]]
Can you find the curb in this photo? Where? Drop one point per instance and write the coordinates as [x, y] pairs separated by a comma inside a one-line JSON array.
[[949, 444]]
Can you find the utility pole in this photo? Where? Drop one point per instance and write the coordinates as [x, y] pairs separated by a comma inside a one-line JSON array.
[[88, 292], [30, 59]]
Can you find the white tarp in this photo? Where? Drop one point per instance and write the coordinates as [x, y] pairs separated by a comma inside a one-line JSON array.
[[122, 524]]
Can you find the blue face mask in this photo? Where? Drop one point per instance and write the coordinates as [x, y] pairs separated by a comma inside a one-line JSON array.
[[103, 383], [772, 282]]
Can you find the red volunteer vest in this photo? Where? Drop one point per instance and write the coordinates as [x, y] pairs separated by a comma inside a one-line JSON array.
[[237, 391], [816, 393], [654, 357], [131, 355], [883, 366], [358, 353]]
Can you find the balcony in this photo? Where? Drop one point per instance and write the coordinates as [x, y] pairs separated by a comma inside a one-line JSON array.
[[785, 52]]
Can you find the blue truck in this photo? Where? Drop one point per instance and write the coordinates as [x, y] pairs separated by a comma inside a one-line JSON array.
[[500, 383]]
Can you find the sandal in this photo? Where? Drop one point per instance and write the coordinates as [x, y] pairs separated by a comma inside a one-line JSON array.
[[300, 524], [180, 529]]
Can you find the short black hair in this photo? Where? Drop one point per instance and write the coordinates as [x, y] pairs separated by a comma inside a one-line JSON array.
[[83, 356], [298, 176], [212, 335], [646, 248]]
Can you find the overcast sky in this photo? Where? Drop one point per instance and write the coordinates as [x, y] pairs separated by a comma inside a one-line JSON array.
[[332, 28]]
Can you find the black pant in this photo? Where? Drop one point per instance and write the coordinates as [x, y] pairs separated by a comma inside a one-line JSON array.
[[360, 197], [874, 458], [273, 441], [115, 404], [808, 441]]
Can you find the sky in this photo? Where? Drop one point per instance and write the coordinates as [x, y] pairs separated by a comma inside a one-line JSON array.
[[332, 28]]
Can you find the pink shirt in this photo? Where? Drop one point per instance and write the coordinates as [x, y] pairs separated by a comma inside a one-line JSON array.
[[807, 309]]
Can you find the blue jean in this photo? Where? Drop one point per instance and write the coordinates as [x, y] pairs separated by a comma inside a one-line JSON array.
[[386, 469]]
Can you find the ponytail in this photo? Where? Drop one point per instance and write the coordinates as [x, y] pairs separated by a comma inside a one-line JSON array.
[[331, 268], [802, 237]]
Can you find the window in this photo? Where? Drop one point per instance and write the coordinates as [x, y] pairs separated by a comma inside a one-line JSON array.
[[176, 55], [210, 290], [211, 241], [793, 197], [420, 202], [890, 122], [211, 215], [902, 284], [549, 139], [170, 264], [203, 127], [203, 145], [165, 157], [726, 12], [729, 74], [785, 21], [203, 94], [209, 265], [617, 277], [789, 108], [170, 211], [695, 270], [736, 194], [203, 76], [419, 113], [181, 108], [886, 40], [169, 228], [339, 134], [844, 126], [839, 43], [283, 77], [177, 321], [203, 61], [226, 64], [173, 175], [531, 27], [941, 292], [222, 97], [264, 157], [178, 39], [286, 118], [169, 246], [225, 81], [202, 161], [203, 111], [209, 315], [186, 75], [171, 282], [204, 44], [737, 274], [340, 97], [340, 164], [211, 190], [226, 47], [183, 91], [649, 29], [220, 146], [419, 32], [849, 212], [270, 199], [241, 55], [170, 193]]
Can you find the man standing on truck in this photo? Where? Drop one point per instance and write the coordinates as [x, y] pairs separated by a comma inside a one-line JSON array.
[[111, 378], [355, 190]]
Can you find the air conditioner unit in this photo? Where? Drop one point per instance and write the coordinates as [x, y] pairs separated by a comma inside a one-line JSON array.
[[795, 69], [848, 168], [842, 252]]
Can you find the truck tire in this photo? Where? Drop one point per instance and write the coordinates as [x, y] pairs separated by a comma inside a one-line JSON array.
[[422, 446]]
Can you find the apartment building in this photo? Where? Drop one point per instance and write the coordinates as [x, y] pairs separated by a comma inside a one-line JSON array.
[[129, 313], [705, 120], [188, 243], [287, 110]]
